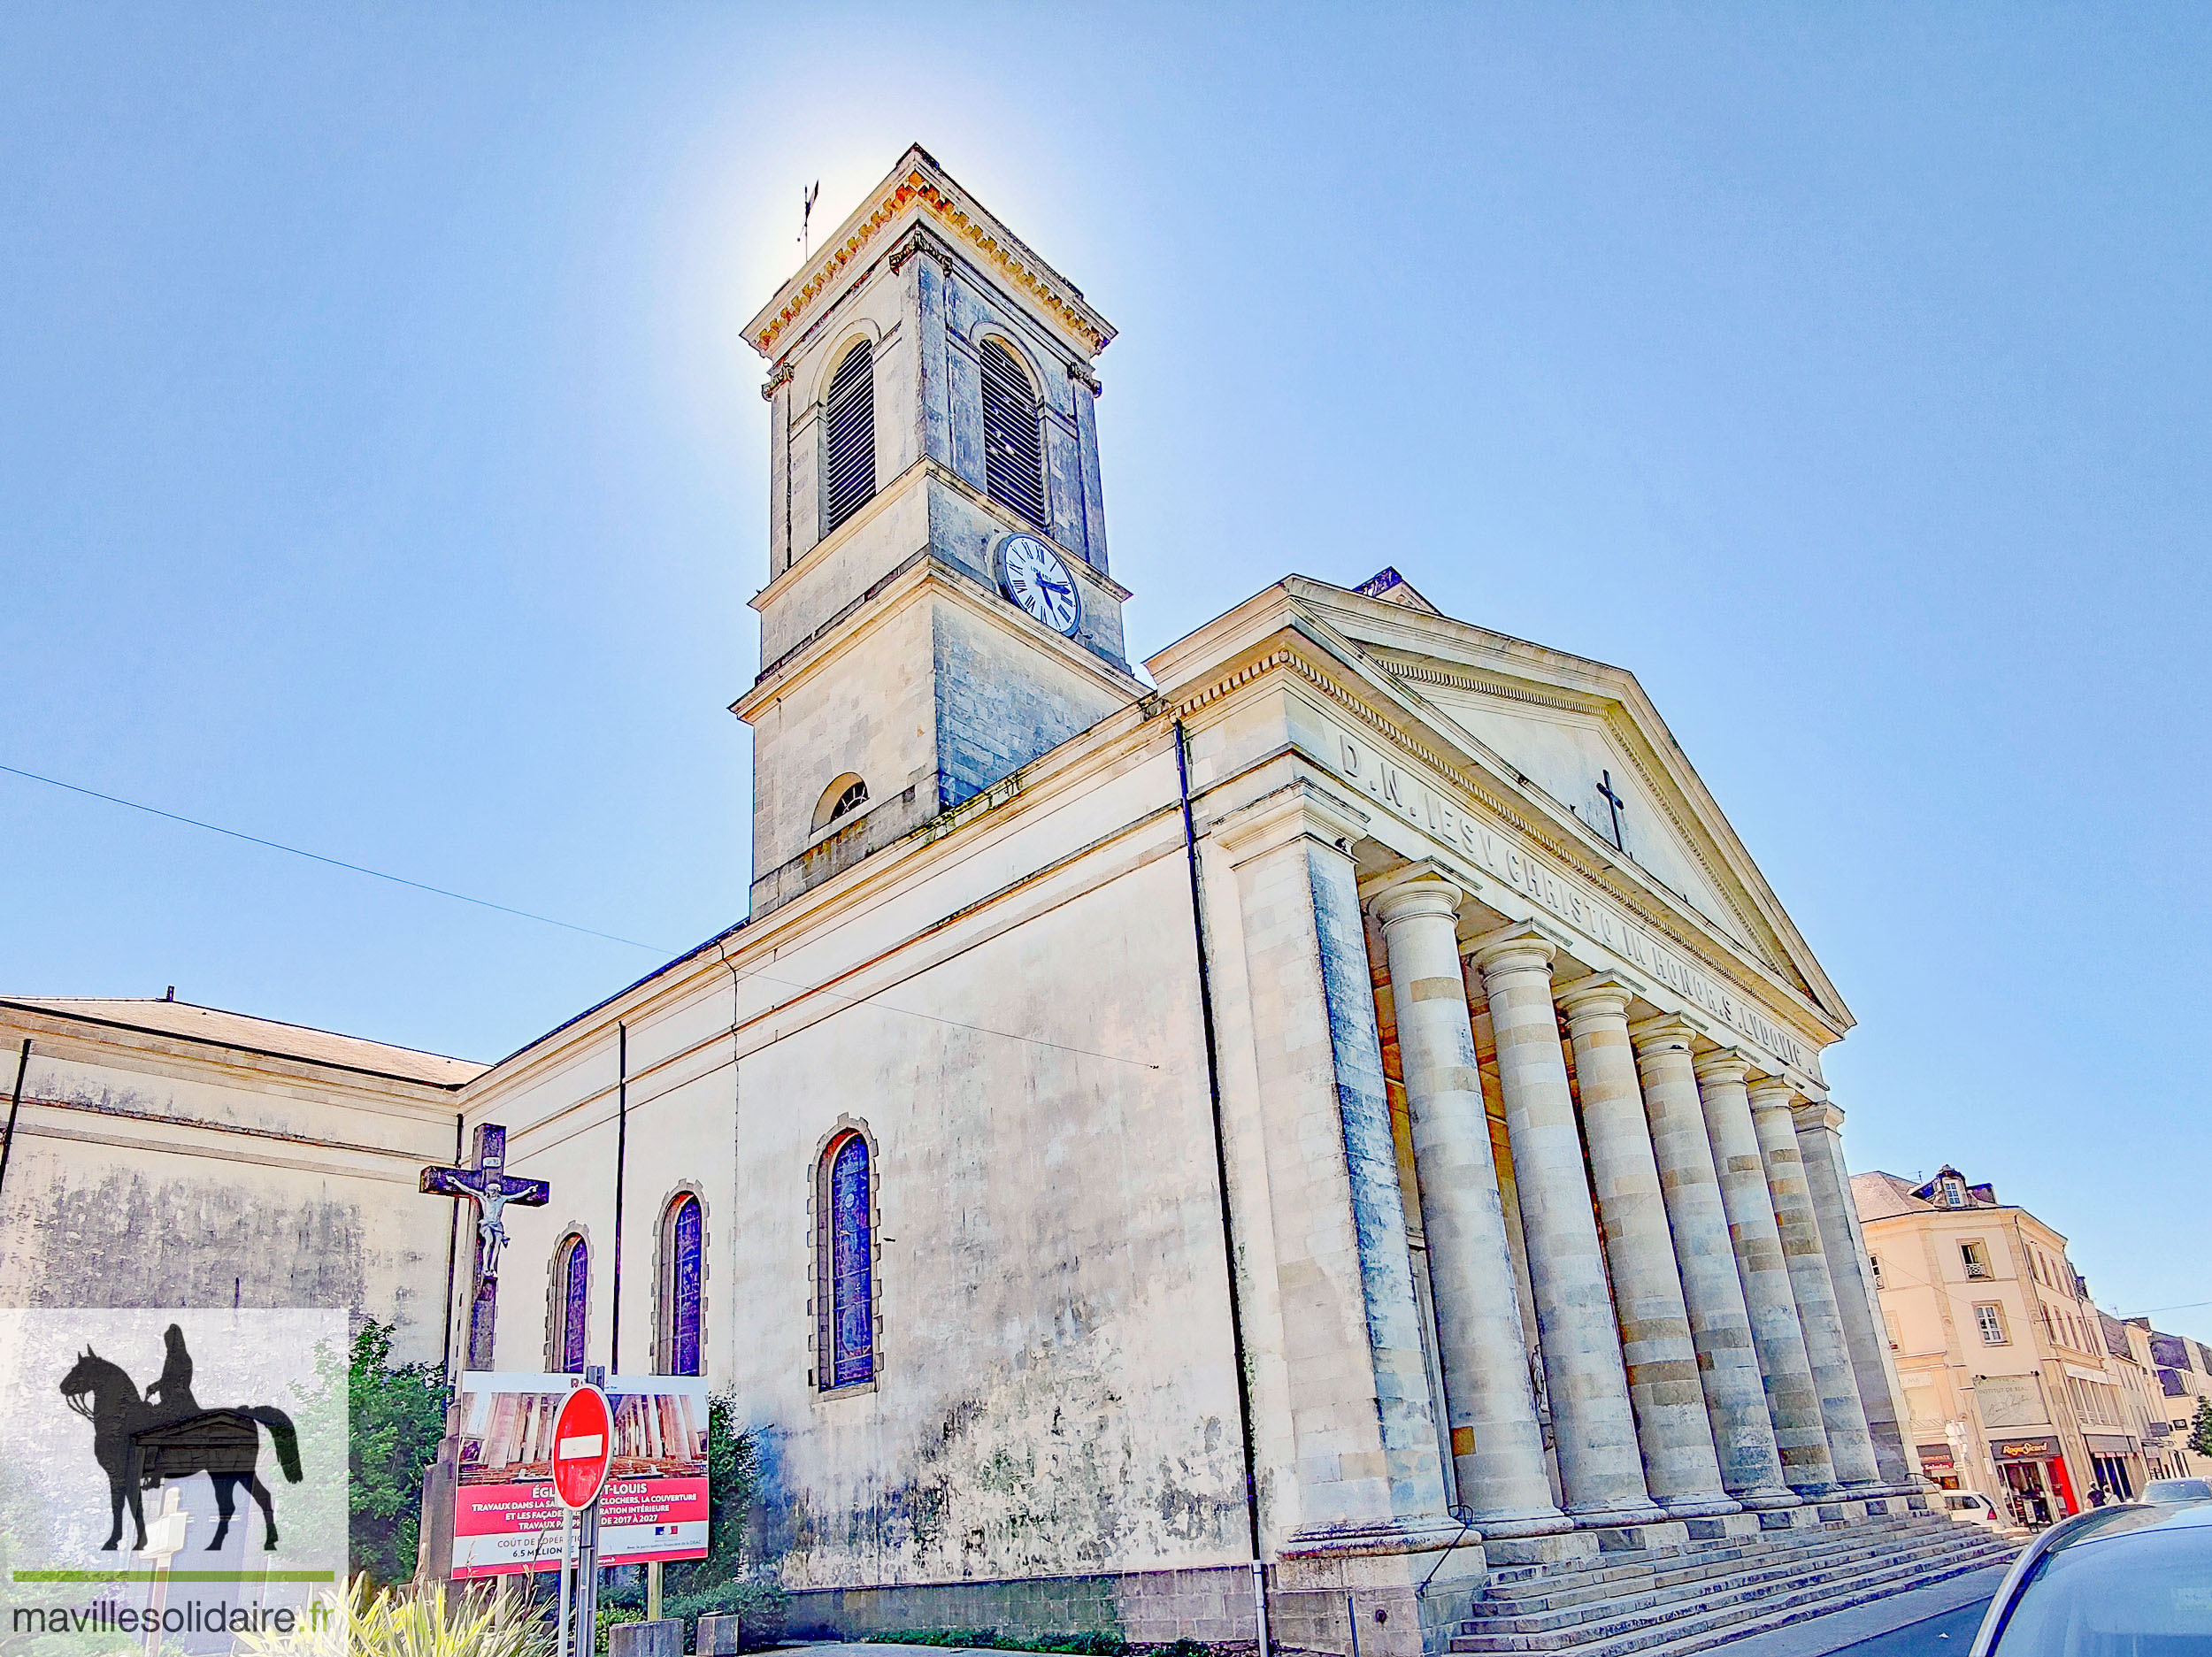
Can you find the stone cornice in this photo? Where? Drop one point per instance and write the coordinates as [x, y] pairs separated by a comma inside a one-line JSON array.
[[917, 185]]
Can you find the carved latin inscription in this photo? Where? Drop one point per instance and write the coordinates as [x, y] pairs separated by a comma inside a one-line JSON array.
[[1363, 765]]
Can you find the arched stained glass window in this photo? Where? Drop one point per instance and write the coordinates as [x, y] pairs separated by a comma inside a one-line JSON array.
[[572, 1304], [683, 1233], [845, 1290]]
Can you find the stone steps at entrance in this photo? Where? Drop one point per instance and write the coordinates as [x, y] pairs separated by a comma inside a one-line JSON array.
[[1705, 1583], [1705, 1594], [1699, 1567]]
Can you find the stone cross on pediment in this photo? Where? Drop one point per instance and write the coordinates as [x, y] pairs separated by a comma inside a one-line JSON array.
[[485, 1181]]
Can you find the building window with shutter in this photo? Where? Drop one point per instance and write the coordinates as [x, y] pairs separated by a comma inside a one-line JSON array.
[[1013, 440], [1992, 1323], [849, 472], [1976, 1259]]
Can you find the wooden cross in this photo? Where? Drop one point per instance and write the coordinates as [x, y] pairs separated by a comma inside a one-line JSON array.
[[1605, 791], [485, 1182]]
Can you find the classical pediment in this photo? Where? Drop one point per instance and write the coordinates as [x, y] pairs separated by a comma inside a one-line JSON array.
[[1581, 742]]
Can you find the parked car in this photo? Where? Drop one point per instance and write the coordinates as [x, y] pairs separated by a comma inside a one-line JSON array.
[[2178, 1490], [2131, 1580], [1968, 1505]]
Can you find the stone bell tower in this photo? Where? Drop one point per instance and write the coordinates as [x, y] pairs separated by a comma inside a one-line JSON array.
[[937, 612]]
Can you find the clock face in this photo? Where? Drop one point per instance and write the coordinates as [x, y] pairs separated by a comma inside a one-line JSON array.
[[1037, 580]]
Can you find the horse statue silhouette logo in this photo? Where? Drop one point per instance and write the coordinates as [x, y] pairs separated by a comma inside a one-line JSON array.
[[166, 1434]]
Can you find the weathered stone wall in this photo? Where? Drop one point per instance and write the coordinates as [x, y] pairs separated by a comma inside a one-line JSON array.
[[162, 1179]]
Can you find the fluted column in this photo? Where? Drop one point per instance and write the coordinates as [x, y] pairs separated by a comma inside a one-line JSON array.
[[1792, 1398], [1850, 1447], [1819, 1141], [1497, 1443], [1720, 1327], [1680, 1469], [1594, 1427]]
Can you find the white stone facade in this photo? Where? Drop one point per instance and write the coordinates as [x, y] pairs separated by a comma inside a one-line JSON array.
[[1226, 1187]]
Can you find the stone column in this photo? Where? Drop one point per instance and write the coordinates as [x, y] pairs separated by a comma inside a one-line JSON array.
[[1364, 1473], [1594, 1427], [1820, 1143], [1497, 1445], [1680, 1469], [1793, 1399], [1720, 1327], [1826, 1344]]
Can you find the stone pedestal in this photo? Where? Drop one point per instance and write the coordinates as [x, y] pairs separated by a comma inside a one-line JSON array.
[[1314, 1594], [720, 1636], [662, 1638]]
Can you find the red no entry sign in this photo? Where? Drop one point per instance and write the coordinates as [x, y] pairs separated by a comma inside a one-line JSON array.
[[583, 1439]]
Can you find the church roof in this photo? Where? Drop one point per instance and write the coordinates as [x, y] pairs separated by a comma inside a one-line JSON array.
[[244, 1032], [1880, 1196]]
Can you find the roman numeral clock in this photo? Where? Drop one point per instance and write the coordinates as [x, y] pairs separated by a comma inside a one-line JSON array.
[[1034, 577]]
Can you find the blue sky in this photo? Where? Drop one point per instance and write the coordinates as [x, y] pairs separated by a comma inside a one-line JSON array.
[[382, 471]]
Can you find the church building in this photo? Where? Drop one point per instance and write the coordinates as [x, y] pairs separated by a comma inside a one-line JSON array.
[[1332, 1125]]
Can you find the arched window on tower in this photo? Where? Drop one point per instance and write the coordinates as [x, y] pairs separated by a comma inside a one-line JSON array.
[[840, 799], [1013, 442], [572, 1303], [848, 472], [844, 1290], [683, 1237]]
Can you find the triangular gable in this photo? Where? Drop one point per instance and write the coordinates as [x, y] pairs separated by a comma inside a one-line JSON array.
[[1572, 731]]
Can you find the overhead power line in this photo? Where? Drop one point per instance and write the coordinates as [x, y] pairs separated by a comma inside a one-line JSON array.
[[336, 862], [590, 932]]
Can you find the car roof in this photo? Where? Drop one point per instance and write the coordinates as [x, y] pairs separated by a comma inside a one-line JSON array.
[[2129, 1518]]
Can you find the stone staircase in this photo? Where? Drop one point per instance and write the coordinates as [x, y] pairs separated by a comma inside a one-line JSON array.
[[1663, 1602]]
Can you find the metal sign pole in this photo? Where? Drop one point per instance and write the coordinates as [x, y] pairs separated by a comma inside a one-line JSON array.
[[568, 1530], [587, 1558]]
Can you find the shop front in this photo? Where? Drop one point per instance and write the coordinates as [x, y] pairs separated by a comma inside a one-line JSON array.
[[1937, 1463], [2036, 1484], [2109, 1454]]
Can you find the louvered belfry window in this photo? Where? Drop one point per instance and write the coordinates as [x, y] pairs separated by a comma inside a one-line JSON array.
[[1013, 452], [852, 470]]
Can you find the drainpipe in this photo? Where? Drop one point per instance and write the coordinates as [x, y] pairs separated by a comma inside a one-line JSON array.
[[7, 1146], [1221, 1177], [621, 1156]]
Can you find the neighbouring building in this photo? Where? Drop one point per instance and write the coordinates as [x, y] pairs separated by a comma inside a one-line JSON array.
[[173, 1155], [1339, 1113], [2009, 1387], [2184, 1368]]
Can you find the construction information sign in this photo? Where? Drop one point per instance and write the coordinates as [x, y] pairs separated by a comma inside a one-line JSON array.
[[653, 1506]]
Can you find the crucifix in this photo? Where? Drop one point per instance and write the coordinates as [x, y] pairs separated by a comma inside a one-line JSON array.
[[1614, 801], [486, 1183]]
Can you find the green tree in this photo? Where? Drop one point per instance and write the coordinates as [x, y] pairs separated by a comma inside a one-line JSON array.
[[2201, 1428], [395, 1415]]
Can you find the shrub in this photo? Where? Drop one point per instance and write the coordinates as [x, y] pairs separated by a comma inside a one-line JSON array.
[[372, 1621], [395, 1415]]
